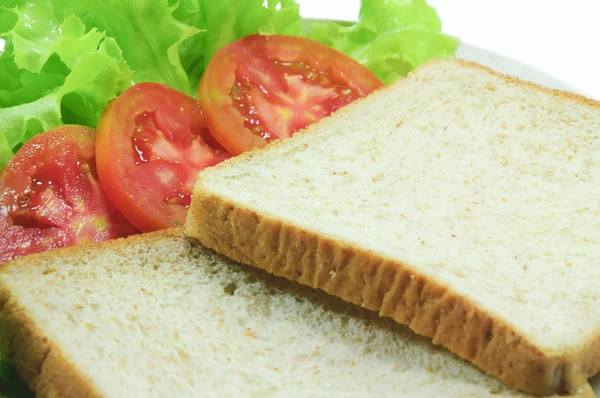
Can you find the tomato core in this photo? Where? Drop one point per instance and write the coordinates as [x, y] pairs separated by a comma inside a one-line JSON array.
[[273, 114], [152, 143], [50, 195], [142, 137], [42, 190], [151, 140]]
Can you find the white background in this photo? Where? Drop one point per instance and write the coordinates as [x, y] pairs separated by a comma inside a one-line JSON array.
[[559, 37]]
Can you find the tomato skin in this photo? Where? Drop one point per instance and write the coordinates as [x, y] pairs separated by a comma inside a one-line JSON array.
[[261, 88], [152, 141], [50, 196]]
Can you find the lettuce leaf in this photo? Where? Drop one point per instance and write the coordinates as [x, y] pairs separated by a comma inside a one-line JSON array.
[[52, 71], [391, 37], [11, 386], [19, 123], [146, 31]]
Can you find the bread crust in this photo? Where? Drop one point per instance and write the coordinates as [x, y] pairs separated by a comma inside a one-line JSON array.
[[392, 288], [38, 360]]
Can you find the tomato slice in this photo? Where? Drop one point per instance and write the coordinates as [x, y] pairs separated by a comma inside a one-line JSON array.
[[50, 196], [152, 142], [263, 88]]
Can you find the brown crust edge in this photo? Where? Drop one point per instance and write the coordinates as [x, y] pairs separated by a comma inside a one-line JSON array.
[[391, 288], [37, 359], [217, 233]]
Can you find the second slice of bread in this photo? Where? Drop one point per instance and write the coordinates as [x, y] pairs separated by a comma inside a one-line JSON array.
[[458, 201], [157, 315]]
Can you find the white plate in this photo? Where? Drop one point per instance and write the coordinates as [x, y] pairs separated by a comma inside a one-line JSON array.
[[511, 67]]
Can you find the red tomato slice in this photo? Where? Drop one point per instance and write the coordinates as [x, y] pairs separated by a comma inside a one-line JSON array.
[[262, 88], [50, 196], [152, 142]]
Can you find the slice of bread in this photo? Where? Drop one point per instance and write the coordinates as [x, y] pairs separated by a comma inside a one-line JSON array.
[[157, 315], [459, 201]]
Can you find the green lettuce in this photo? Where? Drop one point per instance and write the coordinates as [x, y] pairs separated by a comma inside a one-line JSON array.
[[146, 31], [11, 386], [391, 37], [52, 71]]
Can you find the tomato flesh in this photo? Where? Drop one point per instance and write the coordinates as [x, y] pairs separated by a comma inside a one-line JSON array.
[[50, 196], [311, 95], [152, 143], [262, 88]]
